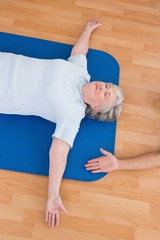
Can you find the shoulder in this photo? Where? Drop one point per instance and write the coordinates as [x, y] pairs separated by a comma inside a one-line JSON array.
[[79, 60]]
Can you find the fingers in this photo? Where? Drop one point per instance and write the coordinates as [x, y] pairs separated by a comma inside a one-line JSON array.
[[92, 168], [95, 160], [63, 209], [94, 21], [53, 219], [57, 219], [97, 171], [104, 152], [92, 165]]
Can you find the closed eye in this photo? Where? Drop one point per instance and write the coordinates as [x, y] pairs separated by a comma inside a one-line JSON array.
[[107, 85]]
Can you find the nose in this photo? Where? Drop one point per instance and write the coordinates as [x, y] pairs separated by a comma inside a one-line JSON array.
[[103, 90]]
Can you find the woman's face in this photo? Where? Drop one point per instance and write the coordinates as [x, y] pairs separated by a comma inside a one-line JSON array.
[[100, 94]]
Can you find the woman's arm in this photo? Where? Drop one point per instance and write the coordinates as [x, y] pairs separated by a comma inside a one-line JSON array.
[[58, 157], [82, 45], [110, 163]]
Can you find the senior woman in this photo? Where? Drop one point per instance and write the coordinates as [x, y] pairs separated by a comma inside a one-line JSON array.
[[59, 91]]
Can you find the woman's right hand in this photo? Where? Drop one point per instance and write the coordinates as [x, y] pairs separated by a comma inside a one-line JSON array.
[[106, 163], [92, 25]]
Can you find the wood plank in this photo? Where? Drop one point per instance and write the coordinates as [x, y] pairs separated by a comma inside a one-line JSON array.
[[124, 204]]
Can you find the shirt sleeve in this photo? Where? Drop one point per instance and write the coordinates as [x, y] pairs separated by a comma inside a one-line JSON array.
[[79, 60], [66, 131]]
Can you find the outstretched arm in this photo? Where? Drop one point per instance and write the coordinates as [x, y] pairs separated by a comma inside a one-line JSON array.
[[109, 162], [82, 45], [58, 157]]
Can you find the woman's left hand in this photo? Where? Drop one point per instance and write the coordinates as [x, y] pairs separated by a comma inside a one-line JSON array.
[[54, 206]]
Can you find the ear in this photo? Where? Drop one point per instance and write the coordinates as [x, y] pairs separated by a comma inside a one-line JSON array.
[[95, 108]]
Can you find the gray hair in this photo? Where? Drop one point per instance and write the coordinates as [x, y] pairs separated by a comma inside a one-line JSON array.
[[109, 113]]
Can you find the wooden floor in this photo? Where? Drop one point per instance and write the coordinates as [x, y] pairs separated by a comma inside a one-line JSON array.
[[124, 205]]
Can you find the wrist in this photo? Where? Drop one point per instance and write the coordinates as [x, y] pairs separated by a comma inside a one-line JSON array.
[[53, 196], [120, 164], [87, 31], [53, 193]]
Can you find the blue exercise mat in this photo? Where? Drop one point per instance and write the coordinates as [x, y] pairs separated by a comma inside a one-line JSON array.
[[25, 140]]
